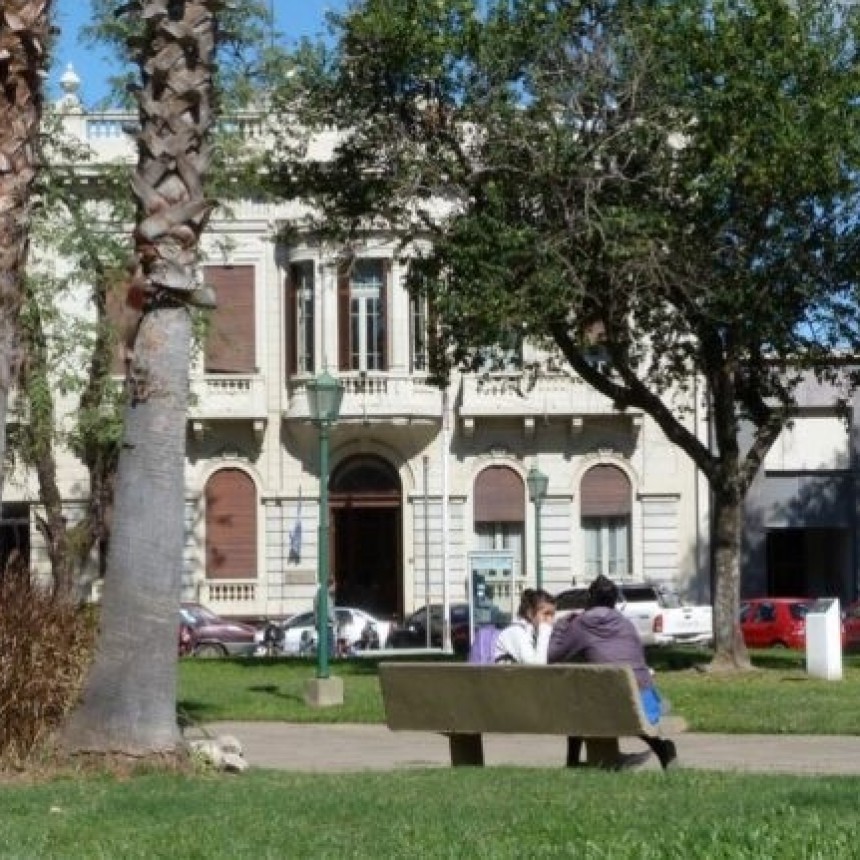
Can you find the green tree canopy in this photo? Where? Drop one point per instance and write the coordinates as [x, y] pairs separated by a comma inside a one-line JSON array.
[[672, 182]]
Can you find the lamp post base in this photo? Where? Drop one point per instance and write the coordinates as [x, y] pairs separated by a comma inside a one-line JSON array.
[[324, 692]]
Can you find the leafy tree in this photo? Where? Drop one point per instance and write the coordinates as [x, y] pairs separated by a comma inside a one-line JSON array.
[[672, 184], [24, 29], [69, 353]]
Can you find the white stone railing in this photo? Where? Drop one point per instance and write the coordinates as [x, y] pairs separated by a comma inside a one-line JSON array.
[[392, 396], [522, 394], [228, 396], [230, 596]]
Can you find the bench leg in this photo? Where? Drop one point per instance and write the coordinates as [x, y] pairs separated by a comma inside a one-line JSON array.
[[466, 750], [602, 752]]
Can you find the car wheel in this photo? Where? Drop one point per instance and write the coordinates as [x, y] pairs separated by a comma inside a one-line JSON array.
[[208, 650], [779, 644]]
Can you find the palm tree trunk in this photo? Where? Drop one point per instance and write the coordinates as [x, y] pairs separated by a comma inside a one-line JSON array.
[[24, 27], [129, 701]]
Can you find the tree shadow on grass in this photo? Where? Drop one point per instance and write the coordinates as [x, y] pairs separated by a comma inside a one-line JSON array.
[[677, 659]]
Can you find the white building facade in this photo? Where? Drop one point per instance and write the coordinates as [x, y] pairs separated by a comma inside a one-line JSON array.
[[426, 484]]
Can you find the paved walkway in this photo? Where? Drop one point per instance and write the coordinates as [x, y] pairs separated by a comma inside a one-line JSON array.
[[343, 748]]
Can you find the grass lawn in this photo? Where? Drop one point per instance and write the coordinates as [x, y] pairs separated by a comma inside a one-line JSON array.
[[777, 698], [474, 813]]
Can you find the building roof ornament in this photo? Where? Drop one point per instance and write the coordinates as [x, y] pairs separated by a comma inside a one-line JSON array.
[[70, 101]]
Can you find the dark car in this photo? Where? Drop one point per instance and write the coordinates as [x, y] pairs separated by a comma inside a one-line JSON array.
[[206, 634], [775, 622], [413, 632]]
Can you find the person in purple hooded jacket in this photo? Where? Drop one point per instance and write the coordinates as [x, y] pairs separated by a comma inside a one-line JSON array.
[[602, 634]]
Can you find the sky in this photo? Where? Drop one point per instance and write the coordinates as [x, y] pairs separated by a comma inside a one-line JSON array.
[[294, 18]]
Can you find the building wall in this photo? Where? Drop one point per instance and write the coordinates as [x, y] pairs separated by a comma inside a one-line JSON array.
[[259, 422], [807, 493]]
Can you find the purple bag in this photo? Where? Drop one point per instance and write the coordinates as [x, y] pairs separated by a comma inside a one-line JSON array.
[[483, 648]]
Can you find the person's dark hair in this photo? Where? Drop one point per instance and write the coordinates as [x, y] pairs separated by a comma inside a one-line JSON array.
[[531, 599], [602, 592]]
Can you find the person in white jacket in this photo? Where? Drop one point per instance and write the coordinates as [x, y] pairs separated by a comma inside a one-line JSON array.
[[526, 640]]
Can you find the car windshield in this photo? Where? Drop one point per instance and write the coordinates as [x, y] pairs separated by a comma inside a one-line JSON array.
[[306, 619], [799, 610], [576, 599], [198, 614], [638, 594]]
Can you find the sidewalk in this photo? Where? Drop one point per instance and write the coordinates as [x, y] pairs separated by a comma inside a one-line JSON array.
[[342, 748]]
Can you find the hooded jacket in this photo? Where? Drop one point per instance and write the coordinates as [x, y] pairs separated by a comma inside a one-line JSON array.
[[600, 635]]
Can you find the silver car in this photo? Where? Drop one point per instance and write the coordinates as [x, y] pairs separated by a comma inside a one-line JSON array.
[[355, 627]]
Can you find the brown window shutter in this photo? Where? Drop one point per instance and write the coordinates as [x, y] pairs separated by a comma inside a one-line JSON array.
[[231, 526], [122, 311], [230, 345], [605, 492], [343, 327], [292, 320], [383, 305], [499, 496]]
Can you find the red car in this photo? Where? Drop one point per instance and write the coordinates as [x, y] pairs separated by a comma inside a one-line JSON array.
[[851, 627], [202, 633], [775, 622]]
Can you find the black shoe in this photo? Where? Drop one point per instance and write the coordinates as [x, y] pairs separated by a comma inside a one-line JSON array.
[[667, 752], [629, 761]]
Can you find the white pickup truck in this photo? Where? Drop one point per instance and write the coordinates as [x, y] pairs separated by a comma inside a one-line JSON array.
[[659, 615]]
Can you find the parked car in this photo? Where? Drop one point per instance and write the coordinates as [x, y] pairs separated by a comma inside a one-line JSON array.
[[775, 622], [851, 627], [659, 615], [354, 626], [413, 632], [203, 633]]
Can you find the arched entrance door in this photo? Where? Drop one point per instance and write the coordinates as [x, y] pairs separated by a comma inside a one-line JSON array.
[[365, 501]]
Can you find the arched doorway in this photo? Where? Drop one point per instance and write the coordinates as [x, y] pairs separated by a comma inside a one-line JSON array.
[[365, 501]]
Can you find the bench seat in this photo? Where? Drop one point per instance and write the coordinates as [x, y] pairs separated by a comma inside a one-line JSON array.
[[599, 703]]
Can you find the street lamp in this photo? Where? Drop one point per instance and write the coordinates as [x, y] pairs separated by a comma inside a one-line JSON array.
[[537, 483], [324, 396]]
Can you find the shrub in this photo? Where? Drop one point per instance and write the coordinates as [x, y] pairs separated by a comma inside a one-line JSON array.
[[45, 648]]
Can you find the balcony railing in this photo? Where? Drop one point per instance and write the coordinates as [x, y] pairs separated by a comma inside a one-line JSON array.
[[227, 396], [390, 397], [514, 394], [230, 597]]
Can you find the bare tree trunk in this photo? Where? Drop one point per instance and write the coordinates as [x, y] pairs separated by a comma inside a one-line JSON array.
[[24, 28], [129, 702], [730, 652]]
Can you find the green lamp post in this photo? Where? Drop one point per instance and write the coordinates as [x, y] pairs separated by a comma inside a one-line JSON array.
[[537, 483], [324, 397]]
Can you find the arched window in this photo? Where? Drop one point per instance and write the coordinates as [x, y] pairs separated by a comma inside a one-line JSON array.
[[605, 510], [231, 525], [500, 511]]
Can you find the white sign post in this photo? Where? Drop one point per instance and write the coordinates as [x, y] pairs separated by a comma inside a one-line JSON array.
[[824, 640]]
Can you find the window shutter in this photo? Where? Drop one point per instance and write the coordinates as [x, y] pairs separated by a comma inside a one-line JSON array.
[[123, 306], [383, 309], [230, 345], [231, 526], [605, 492], [343, 327], [499, 496], [292, 320]]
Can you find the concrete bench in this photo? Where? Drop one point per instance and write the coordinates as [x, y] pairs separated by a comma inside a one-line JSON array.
[[595, 702]]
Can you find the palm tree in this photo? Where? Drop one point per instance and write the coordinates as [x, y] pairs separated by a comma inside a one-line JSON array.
[[128, 704], [24, 29]]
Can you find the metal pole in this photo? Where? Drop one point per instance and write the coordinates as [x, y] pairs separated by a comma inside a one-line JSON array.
[[538, 560], [426, 463], [447, 645], [322, 559]]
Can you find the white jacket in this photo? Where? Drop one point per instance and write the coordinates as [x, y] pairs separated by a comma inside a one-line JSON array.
[[518, 642]]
